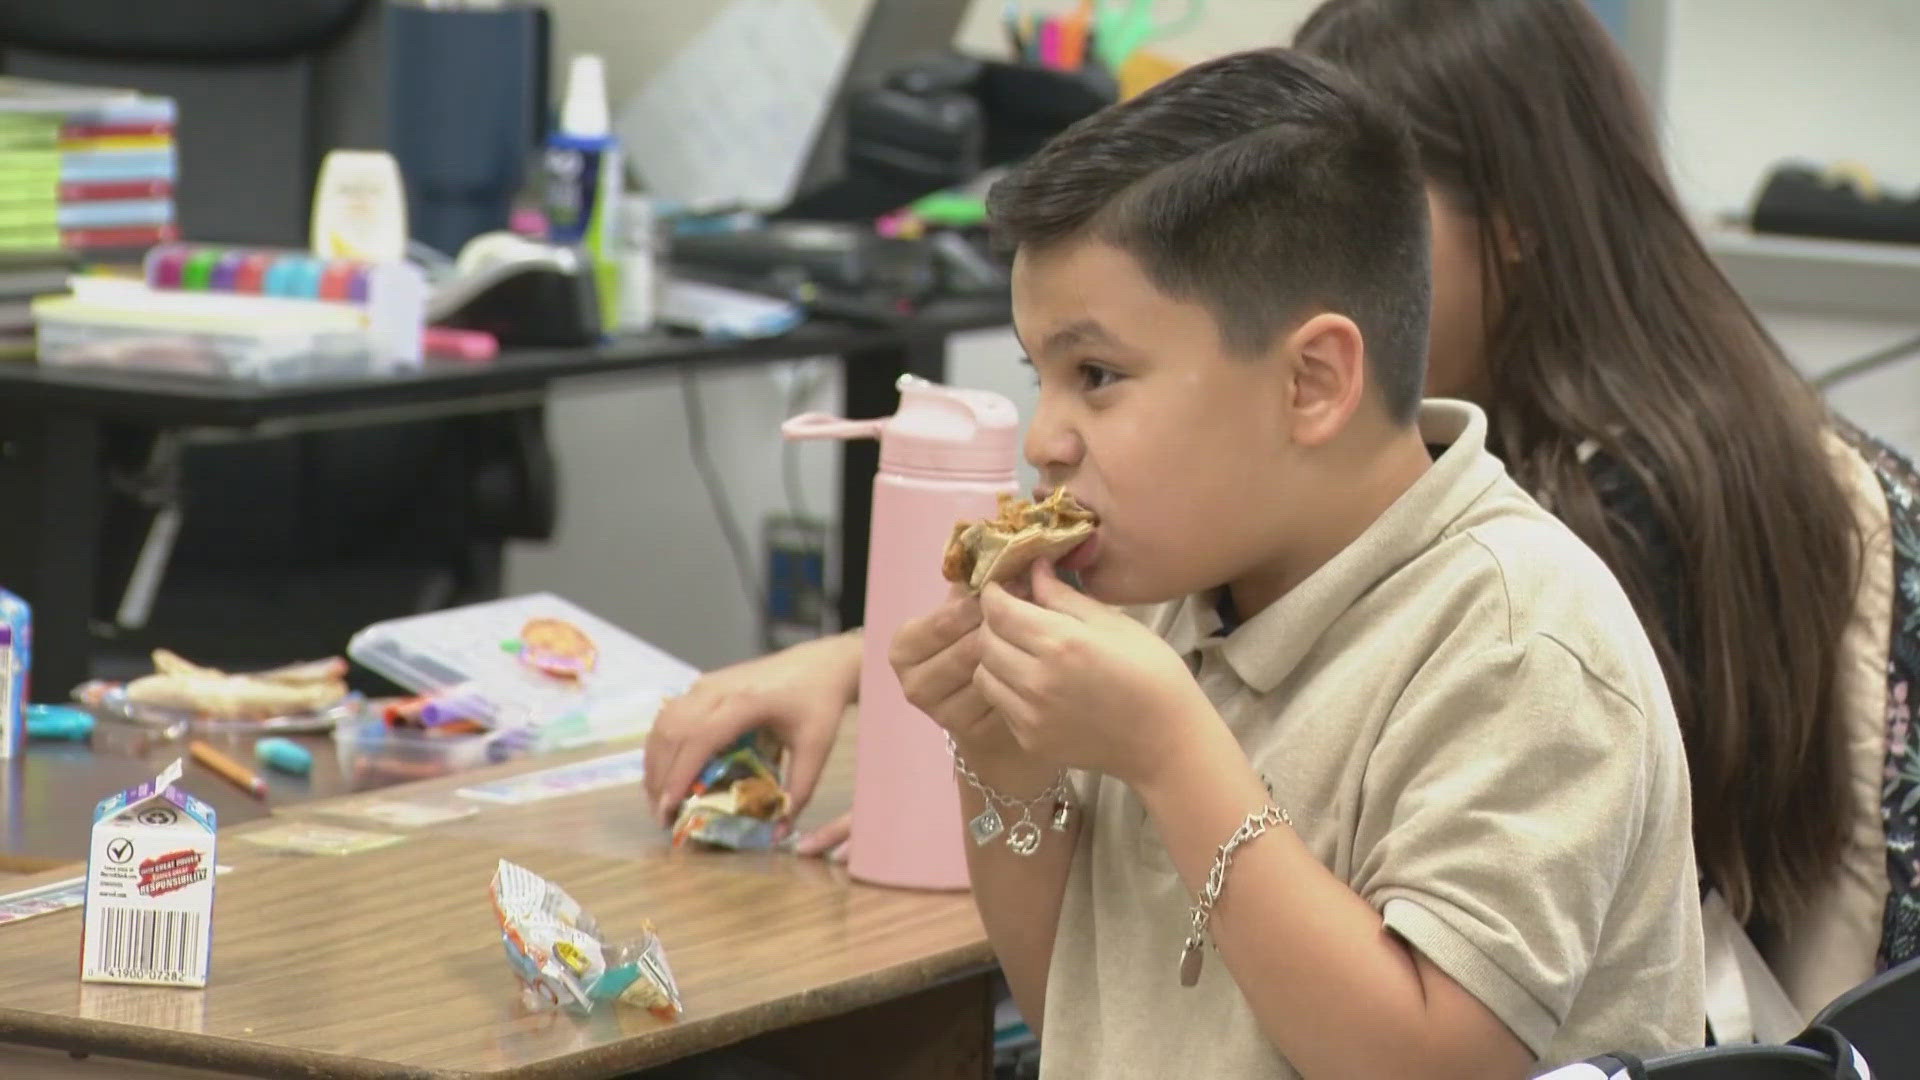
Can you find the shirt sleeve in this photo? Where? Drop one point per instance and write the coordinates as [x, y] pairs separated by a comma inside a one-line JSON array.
[[1502, 806]]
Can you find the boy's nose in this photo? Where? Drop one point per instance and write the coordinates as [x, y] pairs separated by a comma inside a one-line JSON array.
[[1052, 446]]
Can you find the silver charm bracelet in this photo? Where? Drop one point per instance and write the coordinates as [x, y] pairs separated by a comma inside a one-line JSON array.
[[1192, 955], [1024, 836]]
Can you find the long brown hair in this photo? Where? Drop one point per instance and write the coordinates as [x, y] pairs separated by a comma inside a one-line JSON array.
[[1614, 328]]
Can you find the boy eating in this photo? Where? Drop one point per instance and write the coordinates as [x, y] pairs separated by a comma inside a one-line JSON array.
[[1378, 776]]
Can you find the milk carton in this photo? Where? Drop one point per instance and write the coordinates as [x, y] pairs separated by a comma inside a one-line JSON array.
[[150, 877], [16, 658]]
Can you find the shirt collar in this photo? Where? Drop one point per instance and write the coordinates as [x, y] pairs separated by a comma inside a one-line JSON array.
[[1263, 650]]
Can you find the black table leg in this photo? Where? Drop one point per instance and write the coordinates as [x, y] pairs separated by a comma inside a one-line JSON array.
[[51, 492], [871, 390]]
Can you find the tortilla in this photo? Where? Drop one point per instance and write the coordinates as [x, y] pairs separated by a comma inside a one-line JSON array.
[[1003, 547]]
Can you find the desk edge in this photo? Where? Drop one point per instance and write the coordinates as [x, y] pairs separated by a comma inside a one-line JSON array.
[[222, 1053]]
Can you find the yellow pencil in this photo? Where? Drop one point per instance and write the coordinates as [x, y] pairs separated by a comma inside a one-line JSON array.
[[241, 776]]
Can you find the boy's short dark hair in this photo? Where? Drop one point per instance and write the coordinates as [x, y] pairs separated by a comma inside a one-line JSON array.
[[1265, 185]]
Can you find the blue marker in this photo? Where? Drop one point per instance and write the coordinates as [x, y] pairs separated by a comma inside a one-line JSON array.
[[285, 755], [58, 722], [280, 279]]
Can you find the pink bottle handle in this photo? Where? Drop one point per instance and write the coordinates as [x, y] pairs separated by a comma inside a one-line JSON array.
[[822, 426]]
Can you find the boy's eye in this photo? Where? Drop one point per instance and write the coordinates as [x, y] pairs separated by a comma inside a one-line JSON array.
[[1094, 377]]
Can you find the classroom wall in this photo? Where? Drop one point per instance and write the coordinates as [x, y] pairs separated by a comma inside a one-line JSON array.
[[1752, 81], [1747, 81]]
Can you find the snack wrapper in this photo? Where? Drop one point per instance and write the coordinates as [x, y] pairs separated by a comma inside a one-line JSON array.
[[562, 961], [737, 798]]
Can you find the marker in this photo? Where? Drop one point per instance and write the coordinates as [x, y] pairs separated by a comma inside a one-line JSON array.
[[279, 278], [473, 346], [336, 279], [163, 268], [251, 277], [239, 775], [58, 722], [225, 271], [285, 755], [198, 269]]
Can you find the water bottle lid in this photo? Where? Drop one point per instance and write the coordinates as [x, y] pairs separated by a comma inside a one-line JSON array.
[[946, 429]]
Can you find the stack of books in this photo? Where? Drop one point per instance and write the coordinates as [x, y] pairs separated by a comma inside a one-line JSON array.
[[23, 276], [86, 177], [84, 171]]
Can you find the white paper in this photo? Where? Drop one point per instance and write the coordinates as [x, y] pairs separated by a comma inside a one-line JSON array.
[[593, 774], [733, 116]]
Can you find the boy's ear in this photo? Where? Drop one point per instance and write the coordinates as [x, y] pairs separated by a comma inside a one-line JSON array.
[[1329, 376]]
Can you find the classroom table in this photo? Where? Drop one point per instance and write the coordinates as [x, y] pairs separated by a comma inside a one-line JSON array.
[[387, 963], [53, 420], [47, 794]]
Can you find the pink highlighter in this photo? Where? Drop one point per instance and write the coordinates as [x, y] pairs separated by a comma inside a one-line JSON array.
[[945, 457], [447, 343]]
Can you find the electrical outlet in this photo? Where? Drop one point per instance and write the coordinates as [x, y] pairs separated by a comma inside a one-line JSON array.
[[798, 606]]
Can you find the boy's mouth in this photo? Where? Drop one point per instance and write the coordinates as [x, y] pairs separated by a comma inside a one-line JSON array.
[[1080, 557]]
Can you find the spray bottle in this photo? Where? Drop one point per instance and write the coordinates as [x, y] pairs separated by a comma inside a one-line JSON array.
[[583, 180]]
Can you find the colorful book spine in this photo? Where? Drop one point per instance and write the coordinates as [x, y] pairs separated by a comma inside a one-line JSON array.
[[105, 190], [143, 236], [116, 142], [114, 214], [73, 130], [115, 166]]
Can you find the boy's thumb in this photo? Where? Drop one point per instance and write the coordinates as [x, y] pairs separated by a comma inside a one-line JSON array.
[[1056, 595]]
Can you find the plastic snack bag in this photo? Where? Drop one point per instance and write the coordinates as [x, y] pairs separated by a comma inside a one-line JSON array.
[[737, 799], [562, 961]]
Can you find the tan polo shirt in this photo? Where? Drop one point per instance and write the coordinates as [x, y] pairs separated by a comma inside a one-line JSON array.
[[1468, 726]]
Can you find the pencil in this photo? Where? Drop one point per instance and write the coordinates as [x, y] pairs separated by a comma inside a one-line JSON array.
[[239, 775]]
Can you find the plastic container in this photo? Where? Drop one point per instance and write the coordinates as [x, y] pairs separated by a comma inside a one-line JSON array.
[[71, 335], [945, 457], [474, 651], [372, 752]]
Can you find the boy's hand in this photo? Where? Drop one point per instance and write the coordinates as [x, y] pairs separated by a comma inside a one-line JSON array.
[[935, 656], [1081, 683]]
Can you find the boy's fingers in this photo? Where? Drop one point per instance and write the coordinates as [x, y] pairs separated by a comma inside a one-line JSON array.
[[919, 640], [1056, 595], [943, 675]]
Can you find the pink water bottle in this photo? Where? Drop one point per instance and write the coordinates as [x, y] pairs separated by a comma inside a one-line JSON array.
[[944, 457]]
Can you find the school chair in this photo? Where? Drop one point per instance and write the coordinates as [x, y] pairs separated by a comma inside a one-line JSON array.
[[1821, 1053], [1882, 1018]]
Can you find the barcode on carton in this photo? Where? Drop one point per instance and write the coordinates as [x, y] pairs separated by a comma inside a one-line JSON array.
[[148, 946]]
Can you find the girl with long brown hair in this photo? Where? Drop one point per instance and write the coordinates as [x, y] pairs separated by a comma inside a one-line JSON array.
[[1630, 388]]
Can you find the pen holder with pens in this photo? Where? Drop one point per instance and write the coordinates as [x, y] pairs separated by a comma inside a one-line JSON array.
[[241, 313]]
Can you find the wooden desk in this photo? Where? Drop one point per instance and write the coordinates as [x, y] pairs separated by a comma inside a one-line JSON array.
[[388, 963], [47, 794]]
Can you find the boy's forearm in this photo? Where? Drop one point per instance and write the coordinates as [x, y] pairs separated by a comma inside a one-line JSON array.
[[1019, 896], [1332, 988]]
